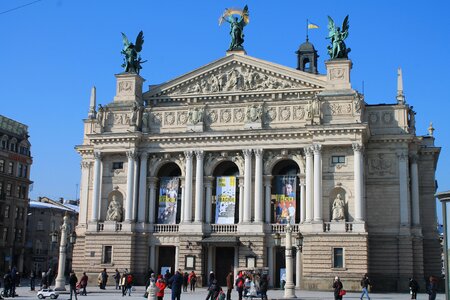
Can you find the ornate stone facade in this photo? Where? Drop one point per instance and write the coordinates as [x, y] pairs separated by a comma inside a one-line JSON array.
[[256, 121]]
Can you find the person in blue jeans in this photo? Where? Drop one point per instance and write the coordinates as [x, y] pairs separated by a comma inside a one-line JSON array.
[[365, 282]]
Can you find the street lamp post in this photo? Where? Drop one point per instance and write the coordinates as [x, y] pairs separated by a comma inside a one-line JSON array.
[[60, 283], [444, 197], [289, 288]]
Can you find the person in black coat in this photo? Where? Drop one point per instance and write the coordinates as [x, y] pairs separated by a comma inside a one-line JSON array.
[[338, 287], [176, 282], [263, 284], [73, 284], [413, 287]]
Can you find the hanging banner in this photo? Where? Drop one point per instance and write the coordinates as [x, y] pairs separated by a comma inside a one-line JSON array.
[[285, 191], [168, 195], [225, 199]]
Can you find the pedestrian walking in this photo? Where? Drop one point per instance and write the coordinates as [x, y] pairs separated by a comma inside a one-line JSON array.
[[176, 282], [123, 283], [73, 284], [104, 279], [212, 290], [211, 277], [192, 280], [129, 283], [116, 277], [185, 281], [338, 287], [32, 280], [432, 288], [83, 284], [365, 282], [7, 282], [413, 288], [263, 285], [240, 285], [230, 282], [161, 286]]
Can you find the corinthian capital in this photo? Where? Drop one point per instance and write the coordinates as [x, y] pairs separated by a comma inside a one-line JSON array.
[[85, 164], [144, 155], [131, 154], [247, 152], [357, 147], [188, 154], [308, 150], [317, 148], [97, 154], [258, 152], [199, 154]]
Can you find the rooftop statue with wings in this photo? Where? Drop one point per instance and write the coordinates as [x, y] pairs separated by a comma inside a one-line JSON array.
[[338, 49], [236, 26], [132, 60]]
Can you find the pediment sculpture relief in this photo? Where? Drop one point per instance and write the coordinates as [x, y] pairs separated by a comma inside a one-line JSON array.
[[235, 79], [254, 113], [195, 115]]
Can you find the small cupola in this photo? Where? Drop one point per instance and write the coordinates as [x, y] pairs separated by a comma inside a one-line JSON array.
[[307, 58]]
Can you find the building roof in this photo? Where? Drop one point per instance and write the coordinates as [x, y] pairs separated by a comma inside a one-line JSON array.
[[43, 205], [11, 126]]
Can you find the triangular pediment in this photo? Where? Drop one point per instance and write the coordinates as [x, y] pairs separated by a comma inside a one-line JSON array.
[[238, 74]]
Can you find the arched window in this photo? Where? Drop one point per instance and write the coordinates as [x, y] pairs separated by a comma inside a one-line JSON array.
[[4, 143], [13, 145], [38, 248]]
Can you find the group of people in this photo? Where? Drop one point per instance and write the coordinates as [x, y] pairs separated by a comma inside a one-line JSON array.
[[10, 280]]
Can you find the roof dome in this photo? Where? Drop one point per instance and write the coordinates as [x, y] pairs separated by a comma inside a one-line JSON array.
[[306, 47]]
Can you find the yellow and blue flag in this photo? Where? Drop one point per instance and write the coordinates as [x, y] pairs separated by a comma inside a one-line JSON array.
[[312, 26]]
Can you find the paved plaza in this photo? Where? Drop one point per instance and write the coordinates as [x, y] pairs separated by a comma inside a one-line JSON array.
[[200, 294]]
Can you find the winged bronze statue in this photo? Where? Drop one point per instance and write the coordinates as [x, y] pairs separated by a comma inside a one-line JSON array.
[[132, 60], [236, 26], [338, 49]]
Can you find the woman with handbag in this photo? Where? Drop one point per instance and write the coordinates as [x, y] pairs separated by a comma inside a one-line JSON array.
[[338, 289]]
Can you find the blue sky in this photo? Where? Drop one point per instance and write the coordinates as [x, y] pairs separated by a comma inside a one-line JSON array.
[[54, 51]]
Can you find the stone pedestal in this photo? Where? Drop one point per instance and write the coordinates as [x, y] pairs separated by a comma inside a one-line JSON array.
[[195, 127], [253, 125], [129, 88], [338, 74], [238, 52]]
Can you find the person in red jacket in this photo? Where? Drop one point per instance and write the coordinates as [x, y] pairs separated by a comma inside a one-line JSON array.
[[161, 285]]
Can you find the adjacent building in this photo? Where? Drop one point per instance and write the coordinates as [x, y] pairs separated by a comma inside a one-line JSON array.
[[203, 173], [45, 217], [15, 164]]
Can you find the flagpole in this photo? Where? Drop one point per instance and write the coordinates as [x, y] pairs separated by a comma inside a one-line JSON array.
[[307, 30]]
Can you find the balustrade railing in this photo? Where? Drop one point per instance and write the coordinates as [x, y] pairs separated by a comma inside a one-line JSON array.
[[223, 228], [165, 228], [280, 228]]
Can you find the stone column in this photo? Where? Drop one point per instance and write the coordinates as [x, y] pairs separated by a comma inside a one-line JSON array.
[[415, 190], [96, 187], [258, 185], [84, 191], [268, 195], [289, 288], [199, 188], [358, 181], [153, 257], [270, 266], [298, 268], [241, 199], [177, 258], [188, 188], [309, 184], [404, 192], [210, 260], [317, 182], [135, 186], [130, 186], [247, 185], [152, 199], [302, 199], [236, 261], [208, 205], [142, 188], [183, 196]]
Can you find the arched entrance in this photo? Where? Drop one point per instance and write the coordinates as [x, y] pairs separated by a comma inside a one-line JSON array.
[[285, 191], [168, 200]]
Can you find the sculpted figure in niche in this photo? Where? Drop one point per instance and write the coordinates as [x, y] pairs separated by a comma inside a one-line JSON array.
[[115, 211], [100, 114], [338, 209], [145, 120]]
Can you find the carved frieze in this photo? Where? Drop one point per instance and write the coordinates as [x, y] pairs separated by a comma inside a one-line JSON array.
[[225, 115], [299, 112], [382, 165], [169, 118], [238, 115], [254, 113], [235, 78], [285, 113], [182, 118], [195, 115]]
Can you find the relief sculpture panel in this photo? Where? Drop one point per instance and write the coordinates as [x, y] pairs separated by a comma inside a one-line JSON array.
[[382, 165]]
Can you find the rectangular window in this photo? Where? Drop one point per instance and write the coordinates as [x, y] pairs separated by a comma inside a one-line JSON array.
[[10, 168], [4, 144], [338, 159], [117, 166], [5, 234], [107, 255], [40, 225], [25, 171], [8, 189], [2, 165], [6, 212], [18, 191], [20, 170], [16, 215], [338, 258]]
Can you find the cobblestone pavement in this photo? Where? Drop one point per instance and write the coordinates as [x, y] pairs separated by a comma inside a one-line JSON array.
[[200, 294]]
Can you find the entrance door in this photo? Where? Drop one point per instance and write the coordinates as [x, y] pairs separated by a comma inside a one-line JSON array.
[[224, 264], [166, 256]]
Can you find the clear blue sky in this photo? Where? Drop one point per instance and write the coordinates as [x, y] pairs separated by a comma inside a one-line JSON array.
[[54, 51]]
